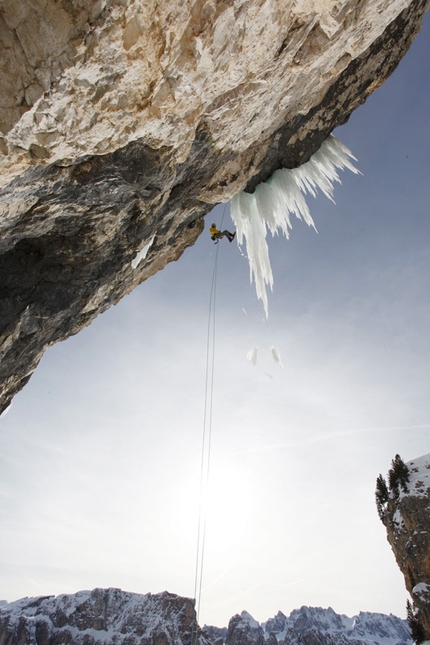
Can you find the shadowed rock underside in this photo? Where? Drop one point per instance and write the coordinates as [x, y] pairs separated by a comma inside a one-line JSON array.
[[123, 123]]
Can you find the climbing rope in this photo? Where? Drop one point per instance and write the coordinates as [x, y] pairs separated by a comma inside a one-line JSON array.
[[206, 444]]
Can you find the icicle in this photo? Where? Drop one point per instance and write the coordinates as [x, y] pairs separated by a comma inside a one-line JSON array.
[[141, 255], [251, 226], [270, 206]]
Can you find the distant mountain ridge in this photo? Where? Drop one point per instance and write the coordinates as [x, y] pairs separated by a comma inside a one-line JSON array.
[[115, 617], [316, 626]]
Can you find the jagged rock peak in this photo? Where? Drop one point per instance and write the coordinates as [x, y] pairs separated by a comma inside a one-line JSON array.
[[244, 630], [123, 122], [404, 508]]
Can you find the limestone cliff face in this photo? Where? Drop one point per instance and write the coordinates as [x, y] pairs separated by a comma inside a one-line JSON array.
[[123, 122], [406, 515]]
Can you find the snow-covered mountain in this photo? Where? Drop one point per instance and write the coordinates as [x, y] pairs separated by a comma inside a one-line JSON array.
[[101, 616], [367, 627], [317, 626], [115, 617]]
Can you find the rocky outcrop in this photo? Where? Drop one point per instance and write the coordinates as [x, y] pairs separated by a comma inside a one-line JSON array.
[[124, 122], [115, 617], [405, 511], [214, 635], [244, 630]]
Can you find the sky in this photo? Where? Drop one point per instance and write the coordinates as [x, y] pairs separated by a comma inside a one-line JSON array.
[[100, 453]]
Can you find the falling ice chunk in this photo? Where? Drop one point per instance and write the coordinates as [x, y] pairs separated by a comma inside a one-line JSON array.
[[276, 356], [141, 255], [252, 355]]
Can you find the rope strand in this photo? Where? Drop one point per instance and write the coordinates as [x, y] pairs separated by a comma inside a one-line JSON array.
[[206, 445]]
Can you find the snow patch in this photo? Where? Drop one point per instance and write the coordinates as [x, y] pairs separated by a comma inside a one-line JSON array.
[[397, 518], [273, 201], [419, 477], [421, 588]]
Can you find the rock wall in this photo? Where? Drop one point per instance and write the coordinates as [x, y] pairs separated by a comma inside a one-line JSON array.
[[123, 122], [406, 516]]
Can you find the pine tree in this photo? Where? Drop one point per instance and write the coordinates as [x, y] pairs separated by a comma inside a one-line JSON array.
[[381, 494], [398, 474], [417, 631], [403, 474]]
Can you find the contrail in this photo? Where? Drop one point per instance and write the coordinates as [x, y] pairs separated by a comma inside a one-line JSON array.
[[311, 577], [214, 582], [319, 438]]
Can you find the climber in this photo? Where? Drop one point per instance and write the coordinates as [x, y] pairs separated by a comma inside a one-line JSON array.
[[217, 235]]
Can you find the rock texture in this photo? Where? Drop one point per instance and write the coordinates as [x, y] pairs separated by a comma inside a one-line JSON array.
[[406, 515], [123, 122], [115, 617]]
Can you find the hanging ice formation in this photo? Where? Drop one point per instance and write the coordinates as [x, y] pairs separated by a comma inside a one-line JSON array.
[[272, 202]]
